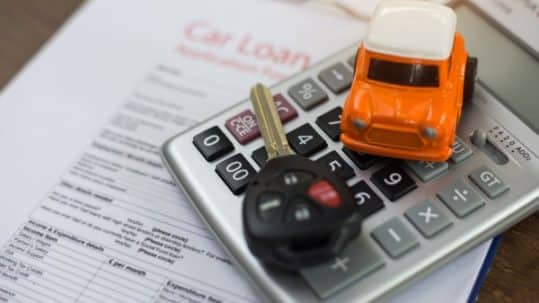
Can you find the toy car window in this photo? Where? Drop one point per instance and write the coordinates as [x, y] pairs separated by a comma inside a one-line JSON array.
[[403, 73]]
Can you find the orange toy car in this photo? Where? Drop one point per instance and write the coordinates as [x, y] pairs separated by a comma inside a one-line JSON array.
[[412, 73]]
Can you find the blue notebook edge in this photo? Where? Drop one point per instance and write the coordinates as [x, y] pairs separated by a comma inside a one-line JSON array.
[[485, 267]]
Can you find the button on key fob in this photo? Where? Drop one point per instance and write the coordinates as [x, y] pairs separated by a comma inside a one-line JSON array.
[[296, 212]]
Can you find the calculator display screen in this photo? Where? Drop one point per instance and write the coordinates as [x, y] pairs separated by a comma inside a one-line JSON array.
[[505, 68]]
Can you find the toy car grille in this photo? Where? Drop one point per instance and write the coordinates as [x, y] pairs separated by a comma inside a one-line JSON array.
[[387, 137]]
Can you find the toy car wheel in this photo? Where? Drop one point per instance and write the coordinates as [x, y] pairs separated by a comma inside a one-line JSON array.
[[469, 78]]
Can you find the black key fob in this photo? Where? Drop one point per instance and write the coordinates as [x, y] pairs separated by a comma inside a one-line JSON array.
[[297, 213]]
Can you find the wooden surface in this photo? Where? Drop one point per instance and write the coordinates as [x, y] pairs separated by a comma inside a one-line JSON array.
[[26, 24]]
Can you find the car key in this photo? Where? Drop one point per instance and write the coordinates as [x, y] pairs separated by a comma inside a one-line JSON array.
[[296, 212]]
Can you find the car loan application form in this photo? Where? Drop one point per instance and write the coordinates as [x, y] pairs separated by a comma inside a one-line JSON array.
[[87, 211]]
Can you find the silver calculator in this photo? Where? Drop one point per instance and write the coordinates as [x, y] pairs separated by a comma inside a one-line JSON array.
[[434, 213]]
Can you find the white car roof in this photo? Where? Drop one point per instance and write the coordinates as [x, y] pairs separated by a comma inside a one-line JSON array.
[[416, 29]]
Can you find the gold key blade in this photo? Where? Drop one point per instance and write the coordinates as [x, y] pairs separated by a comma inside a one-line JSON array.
[[269, 122]]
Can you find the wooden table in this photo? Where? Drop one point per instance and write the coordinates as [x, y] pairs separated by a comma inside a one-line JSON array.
[[26, 24]]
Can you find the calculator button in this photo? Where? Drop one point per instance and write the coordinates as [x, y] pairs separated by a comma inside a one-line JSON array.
[[212, 143], [285, 110], [393, 181], [363, 161], [461, 151], [488, 182], [337, 77], [325, 194], [301, 211], [307, 94], [270, 207], [330, 123], [460, 199], [394, 238], [336, 164], [366, 200], [427, 218], [305, 140], [236, 172], [355, 262], [243, 126], [427, 170], [260, 156]]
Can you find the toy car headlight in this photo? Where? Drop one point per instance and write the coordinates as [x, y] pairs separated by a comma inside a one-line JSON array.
[[359, 123], [430, 132]]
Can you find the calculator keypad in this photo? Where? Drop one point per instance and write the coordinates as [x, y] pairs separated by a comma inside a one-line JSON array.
[[396, 236]]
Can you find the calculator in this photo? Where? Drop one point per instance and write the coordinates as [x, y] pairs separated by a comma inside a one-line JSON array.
[[417, 215]]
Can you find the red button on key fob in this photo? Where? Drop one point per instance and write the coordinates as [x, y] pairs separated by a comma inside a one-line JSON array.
[[325, 194]]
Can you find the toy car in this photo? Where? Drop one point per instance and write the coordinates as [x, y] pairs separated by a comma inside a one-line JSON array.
[[411, 75]]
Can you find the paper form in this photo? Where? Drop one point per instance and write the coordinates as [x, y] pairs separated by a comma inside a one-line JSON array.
[[114, 227], [88, 213]]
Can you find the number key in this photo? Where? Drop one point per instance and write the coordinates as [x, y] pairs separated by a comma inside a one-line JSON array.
[[366, 200], [330, 123], [235, 172], [337, 165], [305, 140], [393, 181], [212, 143]]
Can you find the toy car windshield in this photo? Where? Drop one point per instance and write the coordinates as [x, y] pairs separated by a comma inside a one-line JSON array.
[[403, 73]]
